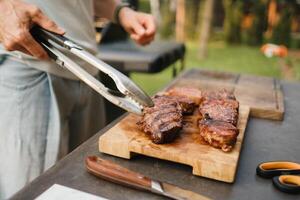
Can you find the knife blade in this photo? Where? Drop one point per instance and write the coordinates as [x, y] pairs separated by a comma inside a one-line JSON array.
[[115, 173]]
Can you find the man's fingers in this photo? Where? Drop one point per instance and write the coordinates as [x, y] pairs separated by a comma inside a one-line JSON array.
[[144, 29], [138, 29], [142, 40], [135, 37], [149, 25], [42, 20], [13, 46], [24, 42], [146, 41], [139, 38], [22, 49], [34, 48]]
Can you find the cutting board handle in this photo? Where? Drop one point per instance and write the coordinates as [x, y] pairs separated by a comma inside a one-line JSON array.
[[115, 173]]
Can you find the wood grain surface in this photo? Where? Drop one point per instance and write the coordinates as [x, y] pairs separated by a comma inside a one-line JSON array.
[[125, 139], [258, 96]]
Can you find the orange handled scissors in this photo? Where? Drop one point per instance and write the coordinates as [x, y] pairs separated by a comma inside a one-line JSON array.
[[285, 174]]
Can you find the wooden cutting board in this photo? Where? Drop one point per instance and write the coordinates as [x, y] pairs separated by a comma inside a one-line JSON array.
[[258, 96]]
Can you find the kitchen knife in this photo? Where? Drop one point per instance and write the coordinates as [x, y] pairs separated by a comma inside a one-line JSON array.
[[117, 174]]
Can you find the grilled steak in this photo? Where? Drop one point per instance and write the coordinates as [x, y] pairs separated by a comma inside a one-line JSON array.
[[187, 105], [219, 111], [220, 105], [192, 93], [223, 110], [218, 134], [163, 121], [220, 116]]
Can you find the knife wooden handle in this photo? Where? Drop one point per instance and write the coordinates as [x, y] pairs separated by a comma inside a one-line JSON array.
[[115, 173]]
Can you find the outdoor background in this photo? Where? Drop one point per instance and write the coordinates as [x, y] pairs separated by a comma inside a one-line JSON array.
[[227, 35]]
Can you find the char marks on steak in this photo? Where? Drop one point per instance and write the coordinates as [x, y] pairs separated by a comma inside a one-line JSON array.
[[221, 109], [163, 121], [220, 105], [218, 134]]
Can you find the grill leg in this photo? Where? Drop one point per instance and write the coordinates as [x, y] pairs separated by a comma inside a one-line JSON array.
[[182, 63], [174, 71]]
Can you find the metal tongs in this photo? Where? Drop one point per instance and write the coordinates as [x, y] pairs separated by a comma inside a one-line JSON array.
[[129, 97]]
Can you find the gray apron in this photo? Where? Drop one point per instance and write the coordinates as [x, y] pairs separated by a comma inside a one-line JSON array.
[[42, 118]]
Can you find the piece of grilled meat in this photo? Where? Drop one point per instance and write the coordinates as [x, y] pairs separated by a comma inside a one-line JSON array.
[[219, 134], [220, 106], [163, 121], [219, 110], [192, 93], [187, 105]]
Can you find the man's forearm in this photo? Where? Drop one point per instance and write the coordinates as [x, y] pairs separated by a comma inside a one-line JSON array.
[[105, 8]]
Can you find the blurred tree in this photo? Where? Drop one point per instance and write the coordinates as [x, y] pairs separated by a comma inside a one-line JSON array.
[[155, 11], [272, 17], [232, 22], [191, 22], [282, 31], [205, 27], [167, 28], [180, 20], [254, 34]]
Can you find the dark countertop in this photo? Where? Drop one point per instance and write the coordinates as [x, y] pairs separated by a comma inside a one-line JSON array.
[[265, 140]]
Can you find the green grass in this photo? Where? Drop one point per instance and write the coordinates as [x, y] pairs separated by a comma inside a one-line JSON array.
[[239, 59], [295, 62], [221, 57]]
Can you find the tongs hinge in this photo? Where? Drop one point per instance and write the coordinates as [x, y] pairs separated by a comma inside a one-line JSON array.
[[69, 45]]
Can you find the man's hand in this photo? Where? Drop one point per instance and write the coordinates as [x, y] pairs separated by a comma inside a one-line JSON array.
[[16, 20], [140, 26]]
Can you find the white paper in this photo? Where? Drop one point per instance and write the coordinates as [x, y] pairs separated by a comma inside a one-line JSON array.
[[58, 192]]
